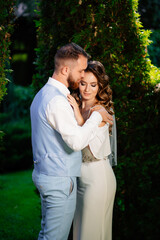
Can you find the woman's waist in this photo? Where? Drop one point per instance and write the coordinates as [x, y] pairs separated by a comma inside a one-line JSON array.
[[88, 157], [94, 172]]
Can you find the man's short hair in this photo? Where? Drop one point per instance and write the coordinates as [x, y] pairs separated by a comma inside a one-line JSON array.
[[67, 52]]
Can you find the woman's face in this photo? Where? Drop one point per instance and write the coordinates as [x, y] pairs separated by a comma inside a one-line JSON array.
[[88, 87]]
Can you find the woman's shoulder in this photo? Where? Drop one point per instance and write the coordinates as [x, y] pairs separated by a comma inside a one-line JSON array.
[[98, 105]]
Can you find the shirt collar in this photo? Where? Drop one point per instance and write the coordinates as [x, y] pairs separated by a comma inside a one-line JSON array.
[[61, 87]]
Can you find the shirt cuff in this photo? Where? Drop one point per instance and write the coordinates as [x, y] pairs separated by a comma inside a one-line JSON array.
[[96, 116]]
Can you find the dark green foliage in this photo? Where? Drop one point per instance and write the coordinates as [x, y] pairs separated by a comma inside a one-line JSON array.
[[154, 48], [16, 152], [150, 13], [6, 28], [111, 32], [150, 16]]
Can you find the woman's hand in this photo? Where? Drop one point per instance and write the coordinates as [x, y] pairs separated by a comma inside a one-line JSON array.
[[75, 107], [105, 115]]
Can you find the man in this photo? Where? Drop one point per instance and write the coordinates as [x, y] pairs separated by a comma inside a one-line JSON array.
[[57, 140]]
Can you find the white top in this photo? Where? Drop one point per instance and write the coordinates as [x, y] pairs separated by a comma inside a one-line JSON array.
[[100, 144], [60, 116]]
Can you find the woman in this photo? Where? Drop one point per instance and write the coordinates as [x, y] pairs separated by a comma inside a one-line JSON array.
[[97, 184]]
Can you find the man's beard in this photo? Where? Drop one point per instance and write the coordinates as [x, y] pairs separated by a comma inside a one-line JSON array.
[[72, 83]]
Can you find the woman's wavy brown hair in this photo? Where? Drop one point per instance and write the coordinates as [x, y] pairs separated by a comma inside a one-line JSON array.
[[104, 95]]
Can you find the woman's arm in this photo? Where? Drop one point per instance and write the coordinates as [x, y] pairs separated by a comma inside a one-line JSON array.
[[76, 109]]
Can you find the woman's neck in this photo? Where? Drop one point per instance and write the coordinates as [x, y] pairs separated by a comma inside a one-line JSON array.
[[87, 104]]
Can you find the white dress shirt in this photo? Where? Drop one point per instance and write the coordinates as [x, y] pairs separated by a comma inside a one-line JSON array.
[[60, 116]]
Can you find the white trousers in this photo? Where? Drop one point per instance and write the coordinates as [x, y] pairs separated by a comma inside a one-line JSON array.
[[95, 199]]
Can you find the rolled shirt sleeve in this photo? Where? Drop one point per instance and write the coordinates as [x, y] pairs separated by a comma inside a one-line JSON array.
[[60, 116]]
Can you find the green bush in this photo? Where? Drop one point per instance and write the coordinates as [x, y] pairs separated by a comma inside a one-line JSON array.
[[6, 27], [20, 102], [16, 152], [154, 48]]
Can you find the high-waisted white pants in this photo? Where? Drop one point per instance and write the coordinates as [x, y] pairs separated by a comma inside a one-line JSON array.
[[95, 199]]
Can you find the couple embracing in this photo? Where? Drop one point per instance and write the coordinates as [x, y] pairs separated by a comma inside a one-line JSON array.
[[71, 146]]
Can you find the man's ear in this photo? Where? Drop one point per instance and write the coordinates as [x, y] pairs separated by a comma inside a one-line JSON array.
[[65, 70]]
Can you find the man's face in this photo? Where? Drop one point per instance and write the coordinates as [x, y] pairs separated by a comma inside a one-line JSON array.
[[77, 72]]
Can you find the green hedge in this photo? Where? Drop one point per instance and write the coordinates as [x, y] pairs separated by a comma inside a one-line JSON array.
[[6, 27], [154, 48], [15, 149]]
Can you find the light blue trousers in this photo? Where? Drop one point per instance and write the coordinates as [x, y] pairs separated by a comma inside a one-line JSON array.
[[58, 202]]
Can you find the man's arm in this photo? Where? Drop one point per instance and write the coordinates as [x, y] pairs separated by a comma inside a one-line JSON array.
[[60, 116]]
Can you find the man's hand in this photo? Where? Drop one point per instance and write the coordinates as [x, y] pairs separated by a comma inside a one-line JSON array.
[[106, 117]]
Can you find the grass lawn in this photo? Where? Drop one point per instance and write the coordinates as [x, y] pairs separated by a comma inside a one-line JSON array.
[[20, 210]]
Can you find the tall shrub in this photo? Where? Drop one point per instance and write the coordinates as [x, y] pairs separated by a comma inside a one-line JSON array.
[[110, 30], [6, 26]]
